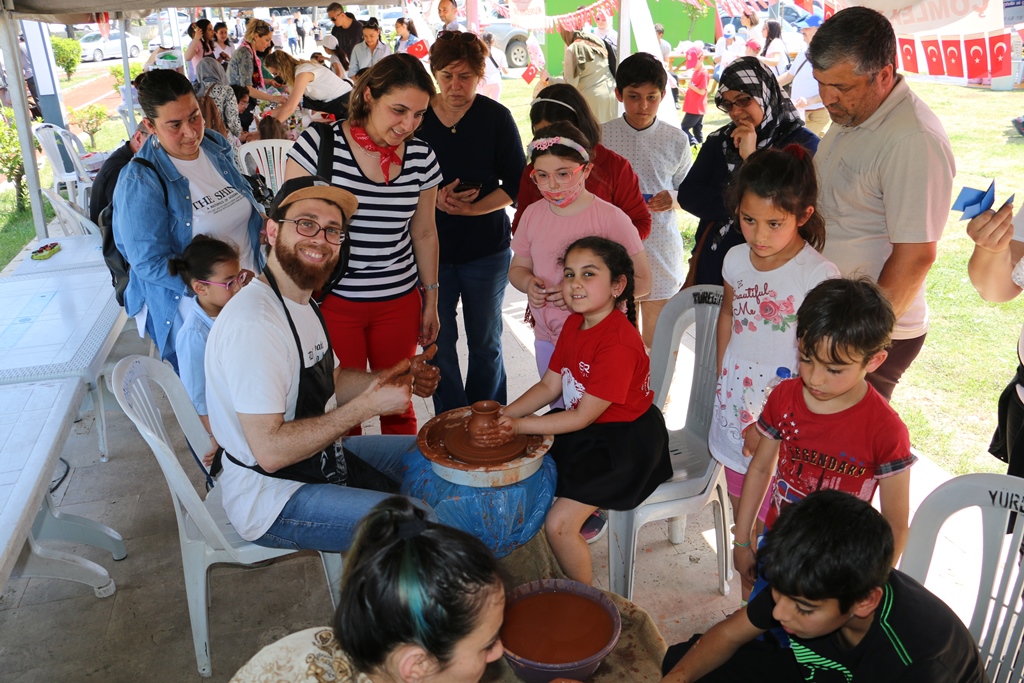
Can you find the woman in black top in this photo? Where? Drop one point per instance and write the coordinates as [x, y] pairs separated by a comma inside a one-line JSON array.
[[477, 145]]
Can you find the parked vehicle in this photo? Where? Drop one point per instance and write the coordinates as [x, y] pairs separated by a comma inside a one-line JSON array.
[[168, 40], [97, 48], [165, 17], [511, 40]]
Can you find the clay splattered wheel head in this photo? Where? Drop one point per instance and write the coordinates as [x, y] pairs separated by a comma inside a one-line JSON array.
[[461, 447]]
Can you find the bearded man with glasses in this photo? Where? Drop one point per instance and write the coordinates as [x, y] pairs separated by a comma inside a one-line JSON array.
[[278, 401]]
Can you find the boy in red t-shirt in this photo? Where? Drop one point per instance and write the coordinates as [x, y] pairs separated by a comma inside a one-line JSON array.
[[696, 97], [830, 429]]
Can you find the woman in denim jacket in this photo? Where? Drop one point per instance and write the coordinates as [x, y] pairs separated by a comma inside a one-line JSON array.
[[182, 183]]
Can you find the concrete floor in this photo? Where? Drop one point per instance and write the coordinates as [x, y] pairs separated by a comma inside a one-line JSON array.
[[57, 630]]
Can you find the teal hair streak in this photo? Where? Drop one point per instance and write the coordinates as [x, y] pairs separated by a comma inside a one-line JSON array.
[[412, 594]]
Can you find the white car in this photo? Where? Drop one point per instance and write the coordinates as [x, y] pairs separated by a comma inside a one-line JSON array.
[[97, 48], [168, 41]]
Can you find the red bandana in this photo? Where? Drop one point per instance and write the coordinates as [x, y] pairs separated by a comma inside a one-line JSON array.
[[387, 154]]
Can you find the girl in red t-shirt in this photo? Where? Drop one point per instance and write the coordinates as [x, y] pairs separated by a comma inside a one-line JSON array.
[[611, 445]]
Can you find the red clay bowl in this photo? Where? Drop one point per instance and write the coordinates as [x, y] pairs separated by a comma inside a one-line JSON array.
[[558, 628]]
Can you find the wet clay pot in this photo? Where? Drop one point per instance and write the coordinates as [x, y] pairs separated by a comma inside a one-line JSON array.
[[462, 443]]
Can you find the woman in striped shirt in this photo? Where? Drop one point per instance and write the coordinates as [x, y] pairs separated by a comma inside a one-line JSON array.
[[386, 302]]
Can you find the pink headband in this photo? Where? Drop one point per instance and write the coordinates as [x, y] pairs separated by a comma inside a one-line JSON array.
[[545, 143]]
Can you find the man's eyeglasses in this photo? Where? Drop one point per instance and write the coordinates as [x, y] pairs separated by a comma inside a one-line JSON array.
[[243, 278], [563, 176], [742, 101], [464, 36], [308, 228]]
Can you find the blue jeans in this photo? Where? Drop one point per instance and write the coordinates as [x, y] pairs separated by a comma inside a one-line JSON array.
[[481, 286], [325, 516]]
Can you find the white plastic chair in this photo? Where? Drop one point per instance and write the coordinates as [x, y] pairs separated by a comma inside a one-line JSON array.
[[996, 624], [63, 168], [71, 220], [205, 534], [76, 150], [698, 479], [268, 157]]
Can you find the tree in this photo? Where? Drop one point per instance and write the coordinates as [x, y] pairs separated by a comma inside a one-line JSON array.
[[67, 54], [12, 160], [90, 119], [694, 12], [117, 71]]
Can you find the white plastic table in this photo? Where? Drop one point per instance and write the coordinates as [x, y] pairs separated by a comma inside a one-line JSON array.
[[57, 325], [35, 419], [78, 251]]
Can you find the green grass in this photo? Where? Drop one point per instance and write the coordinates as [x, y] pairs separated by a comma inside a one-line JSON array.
[[16, 228]]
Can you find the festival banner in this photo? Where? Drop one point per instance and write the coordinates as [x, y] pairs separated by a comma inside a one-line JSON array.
[[1000, 53], [954, 58], [908, 54], [933, 55], [976, 52]]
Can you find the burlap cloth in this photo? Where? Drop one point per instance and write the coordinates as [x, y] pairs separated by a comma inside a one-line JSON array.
[[638, 654]]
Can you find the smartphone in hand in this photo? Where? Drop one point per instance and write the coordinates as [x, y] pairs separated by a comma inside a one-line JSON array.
[[466, 187]]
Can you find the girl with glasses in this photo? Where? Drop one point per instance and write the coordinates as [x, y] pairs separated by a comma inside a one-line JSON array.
[[561, 163], [212, 270], [761, 116]]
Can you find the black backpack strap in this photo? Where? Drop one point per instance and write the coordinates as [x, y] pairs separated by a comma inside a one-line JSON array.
[[325, 154]]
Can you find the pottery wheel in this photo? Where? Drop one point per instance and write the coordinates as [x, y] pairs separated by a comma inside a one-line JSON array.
[[460, 446]]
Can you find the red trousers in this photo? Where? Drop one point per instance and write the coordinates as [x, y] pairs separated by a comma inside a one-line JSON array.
[[378, 333]]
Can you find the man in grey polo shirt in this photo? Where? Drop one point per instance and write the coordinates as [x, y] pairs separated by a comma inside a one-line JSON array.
[[885, 174]]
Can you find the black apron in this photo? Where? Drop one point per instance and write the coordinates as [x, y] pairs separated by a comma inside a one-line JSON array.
[[316, 386]]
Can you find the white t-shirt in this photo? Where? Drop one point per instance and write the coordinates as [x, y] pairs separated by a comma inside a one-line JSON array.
[[804, 84], [218, 209], [492, 72], [660, 155], [777, 47], [252, 367], [326, 85]]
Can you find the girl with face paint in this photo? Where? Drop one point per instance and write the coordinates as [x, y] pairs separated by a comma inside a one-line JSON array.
[[561, 158]]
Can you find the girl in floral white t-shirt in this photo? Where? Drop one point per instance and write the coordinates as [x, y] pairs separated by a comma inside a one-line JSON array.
[[766, 280]]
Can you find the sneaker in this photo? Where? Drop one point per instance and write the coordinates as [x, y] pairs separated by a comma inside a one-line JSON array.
[[595, 528]]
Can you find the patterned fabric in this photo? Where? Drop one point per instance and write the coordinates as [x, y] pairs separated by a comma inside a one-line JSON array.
[[781, 119], [310, 656]]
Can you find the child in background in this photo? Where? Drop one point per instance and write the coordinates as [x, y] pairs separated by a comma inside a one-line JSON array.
[[611, 446], [561, 164], [660, 154], [765, 281], [696, 98], [753, 48], [850, 615], [829, 428], [212, 270]]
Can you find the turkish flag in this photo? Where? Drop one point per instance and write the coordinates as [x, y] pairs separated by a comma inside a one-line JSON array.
[[933, 55], [530, 73], [976, 54], [418, 49], [829, 10], [908, 53], [953, 57], [1000, 52]]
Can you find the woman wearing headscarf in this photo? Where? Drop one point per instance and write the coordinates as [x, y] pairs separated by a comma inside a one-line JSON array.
[[586, 68], [761, 116], [212, 82]]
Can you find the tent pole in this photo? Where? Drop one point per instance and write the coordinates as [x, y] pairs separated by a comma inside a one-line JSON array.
[[127, 101], [625, 31], [9, 46]]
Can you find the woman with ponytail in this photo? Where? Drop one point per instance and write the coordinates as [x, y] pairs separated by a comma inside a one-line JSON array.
[[419, 602]]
